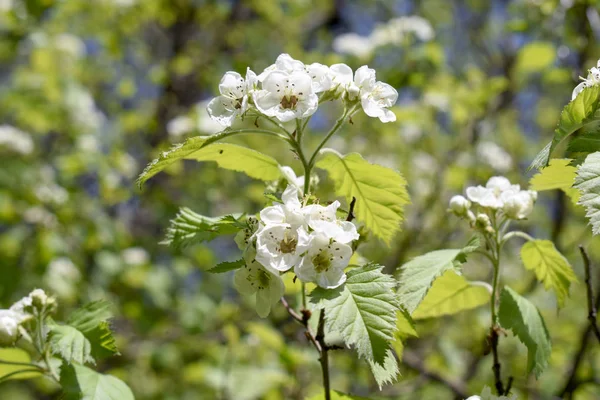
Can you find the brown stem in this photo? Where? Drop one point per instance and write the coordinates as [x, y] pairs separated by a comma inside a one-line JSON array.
[[351, 211], [496, 367], [324, 358], [590, 293]]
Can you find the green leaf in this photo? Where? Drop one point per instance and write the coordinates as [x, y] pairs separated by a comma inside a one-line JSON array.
[[189, 227], [92, 320], [387, 372], [380, 192], [16, 355], [227, 266], [229, 156], [581, 112], [523, 318], [557, 175], [452, 293], [70, 344], [241, 159], [587, 142], [587, 182], [535, 57], [363, 311], [417, 275], [550, 267], [83, 383], [90, 315]]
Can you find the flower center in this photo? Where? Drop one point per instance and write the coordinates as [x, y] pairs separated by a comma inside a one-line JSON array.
[[289, 102], [322, 261], [288, 245]]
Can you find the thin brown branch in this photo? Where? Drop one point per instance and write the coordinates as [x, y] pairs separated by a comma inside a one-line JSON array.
[[590, 293], [351, 211], [324, 358], [414, 362], [496, 367]]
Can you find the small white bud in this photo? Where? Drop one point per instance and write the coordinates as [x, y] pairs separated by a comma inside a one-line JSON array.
[[459, 205], [483, 222]]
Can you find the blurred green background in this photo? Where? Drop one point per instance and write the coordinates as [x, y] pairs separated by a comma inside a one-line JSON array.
[[91, 91]]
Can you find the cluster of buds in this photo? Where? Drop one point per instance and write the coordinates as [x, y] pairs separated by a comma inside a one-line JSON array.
[[11, 320], [498, 198]]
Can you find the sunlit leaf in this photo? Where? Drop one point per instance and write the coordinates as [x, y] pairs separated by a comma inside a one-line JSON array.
[[557, 175], [83, 383], [70, 344], [189, 227], [587, 182], [16, 355]]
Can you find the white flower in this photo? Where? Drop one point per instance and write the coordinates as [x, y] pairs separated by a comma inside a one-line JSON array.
[[278, 247], [290, 212], [15, 139], [287, 96], [490, 195], [375, 97], [592, 79], [320, 74], [9, 325], [324, 220], [63, 277], [245, 237], [459, 205], [37, 299], [135, 256], [324, 262], [494, 155], [252, 279], [353, 44], [518, 205], [233, 100]]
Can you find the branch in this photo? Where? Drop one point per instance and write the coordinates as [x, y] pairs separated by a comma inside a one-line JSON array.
[[496, 367], [324, 359], [414, 362], [590, 293], [351, 211]]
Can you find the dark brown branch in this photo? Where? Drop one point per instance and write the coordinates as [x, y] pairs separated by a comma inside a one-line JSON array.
[[351, 211], [324, 358], [496, 367], [590, 293], [414, 362], [572, 382]]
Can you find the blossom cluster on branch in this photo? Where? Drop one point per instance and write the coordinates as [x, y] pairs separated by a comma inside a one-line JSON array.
[[290, 89], [20, 312], [309, 239]]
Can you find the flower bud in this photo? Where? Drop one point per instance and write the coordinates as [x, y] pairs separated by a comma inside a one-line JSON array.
[[483, 222], [459, 205], [520, 204], [9, 326]]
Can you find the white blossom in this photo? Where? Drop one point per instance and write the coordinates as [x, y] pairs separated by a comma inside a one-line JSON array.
[[324, 220], [320, 74], [289, 212], [518, 204], [62, 277], [495, 156], [279, 246], [252, 279], [459, 205], [290, 176], [9, 325], [233, 100], [286, 96], [490, 195], [37, 299], [15, 139], [324, 262], [135, 256], [592, 79]]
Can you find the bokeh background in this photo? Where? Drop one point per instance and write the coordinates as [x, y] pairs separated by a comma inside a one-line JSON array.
[[91, 91]]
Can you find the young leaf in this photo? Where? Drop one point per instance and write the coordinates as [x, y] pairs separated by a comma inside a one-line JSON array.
[[550, 267], [92, 321], [189, 227], [588, 184], [452, 293], [557, 175], [16, 355], [380, 192], [523, 318], [90, 315], [417, 275], [70, 344], [79, 382], [405, 328], [229, 156], [363, 311], [227, 266], [238, 158], [584, 110]]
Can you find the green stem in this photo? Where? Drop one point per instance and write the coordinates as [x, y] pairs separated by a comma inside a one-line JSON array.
[[21, 364], [303, 296], [21, 371], [334, 129], [513, 234]]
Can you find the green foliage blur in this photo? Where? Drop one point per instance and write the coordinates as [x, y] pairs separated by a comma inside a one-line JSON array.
[[91, 91]]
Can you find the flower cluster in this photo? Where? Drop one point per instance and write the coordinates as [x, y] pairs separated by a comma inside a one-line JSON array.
[[290, 89], [592, 79], [23, 310], [498, 195], [309, 239]]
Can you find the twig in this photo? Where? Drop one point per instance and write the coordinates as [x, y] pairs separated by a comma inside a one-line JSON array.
[[414, 362], [590, 293], [572, 382], [496, 367], [324, 359], [351, 211]]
